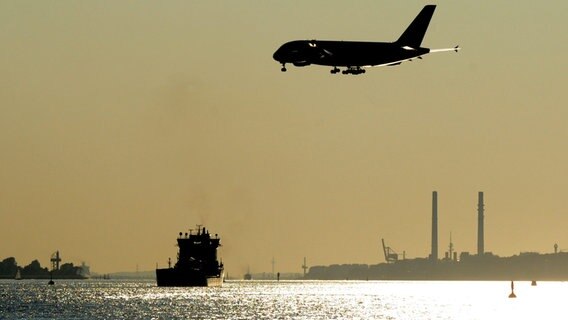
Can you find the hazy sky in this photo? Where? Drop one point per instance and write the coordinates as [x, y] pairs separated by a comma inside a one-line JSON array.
[[123, 123]]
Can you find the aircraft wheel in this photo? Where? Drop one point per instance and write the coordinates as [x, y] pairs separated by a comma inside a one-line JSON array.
[[283, 69]]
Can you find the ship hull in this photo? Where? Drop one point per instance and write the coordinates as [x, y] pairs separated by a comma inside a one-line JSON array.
[[172, 277]]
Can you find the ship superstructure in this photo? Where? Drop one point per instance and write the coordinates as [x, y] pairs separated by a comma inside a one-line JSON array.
[[197, 263]]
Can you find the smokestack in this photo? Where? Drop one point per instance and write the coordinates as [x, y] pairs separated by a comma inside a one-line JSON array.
[[480, 210], [434, 254]]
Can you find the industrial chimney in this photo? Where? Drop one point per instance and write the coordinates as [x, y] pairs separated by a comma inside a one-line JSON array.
[[434, 254], [480, 241]]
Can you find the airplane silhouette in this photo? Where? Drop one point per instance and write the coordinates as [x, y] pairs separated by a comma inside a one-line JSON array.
[[355, 55]]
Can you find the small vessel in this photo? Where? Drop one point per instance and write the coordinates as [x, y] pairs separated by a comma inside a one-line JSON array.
[[197, 264], [18, 275], [248, 275]]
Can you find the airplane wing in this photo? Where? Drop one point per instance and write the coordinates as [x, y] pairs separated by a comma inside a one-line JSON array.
[[456, 49], [396, 63]]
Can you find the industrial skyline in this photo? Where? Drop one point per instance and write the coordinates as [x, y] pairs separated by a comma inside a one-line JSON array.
[[434, 236], [484, 266]]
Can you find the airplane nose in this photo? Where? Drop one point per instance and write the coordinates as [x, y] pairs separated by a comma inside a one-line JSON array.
[[277, 55]]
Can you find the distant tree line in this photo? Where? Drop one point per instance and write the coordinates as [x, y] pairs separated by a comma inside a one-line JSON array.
[[9, 268]]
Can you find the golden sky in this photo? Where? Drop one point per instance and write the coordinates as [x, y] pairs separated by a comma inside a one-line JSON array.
[[123, 123]]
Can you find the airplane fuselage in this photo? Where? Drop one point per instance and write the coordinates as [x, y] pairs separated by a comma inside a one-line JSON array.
[[345, 53]]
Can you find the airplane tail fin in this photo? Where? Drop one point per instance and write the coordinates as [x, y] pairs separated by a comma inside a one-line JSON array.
[[415, 32]]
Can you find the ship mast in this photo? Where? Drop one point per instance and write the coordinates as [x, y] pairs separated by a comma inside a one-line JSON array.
[[305, 267]]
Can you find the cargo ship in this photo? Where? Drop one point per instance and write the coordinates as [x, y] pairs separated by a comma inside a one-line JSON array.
[[197, 264]]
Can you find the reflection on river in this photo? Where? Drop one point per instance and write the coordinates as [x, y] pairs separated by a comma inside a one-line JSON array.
[[100, 299]]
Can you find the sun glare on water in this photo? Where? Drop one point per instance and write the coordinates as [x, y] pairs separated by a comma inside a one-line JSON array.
[[284, 300]]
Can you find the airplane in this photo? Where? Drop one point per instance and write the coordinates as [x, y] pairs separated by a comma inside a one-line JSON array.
[[356, 55]]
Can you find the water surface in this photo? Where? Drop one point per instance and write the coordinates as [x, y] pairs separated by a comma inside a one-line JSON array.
[[104, 299]]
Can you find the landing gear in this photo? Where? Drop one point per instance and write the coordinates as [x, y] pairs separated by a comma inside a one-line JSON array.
[[353, 70], [283, 67], [334, 70]]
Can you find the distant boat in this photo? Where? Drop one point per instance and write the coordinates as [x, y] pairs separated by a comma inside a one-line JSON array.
[[18, 275], [248, 275]]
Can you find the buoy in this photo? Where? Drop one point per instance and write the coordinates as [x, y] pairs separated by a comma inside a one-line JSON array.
[[533, 283], [512, 295]]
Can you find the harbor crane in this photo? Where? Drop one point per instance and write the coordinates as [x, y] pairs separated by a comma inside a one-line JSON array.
[[390, 255]]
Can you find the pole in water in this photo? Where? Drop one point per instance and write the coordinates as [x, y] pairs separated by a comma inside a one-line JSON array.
[[512, 295], [51, 279]]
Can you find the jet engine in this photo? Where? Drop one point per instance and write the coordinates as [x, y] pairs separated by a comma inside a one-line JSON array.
[[301, 63]]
